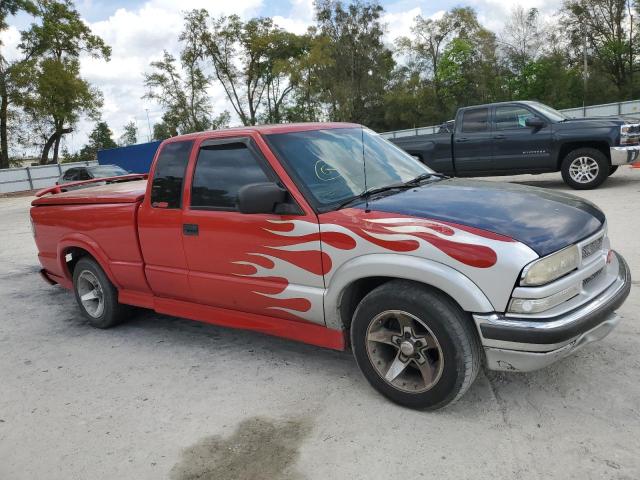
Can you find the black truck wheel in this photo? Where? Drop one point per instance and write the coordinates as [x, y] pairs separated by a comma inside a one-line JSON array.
[[585, 168], [415, 345], [96, 295]]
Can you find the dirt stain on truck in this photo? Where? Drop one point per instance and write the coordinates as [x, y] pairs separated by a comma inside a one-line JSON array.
[[258, 449]]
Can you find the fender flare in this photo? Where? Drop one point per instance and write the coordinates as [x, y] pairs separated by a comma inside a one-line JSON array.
[[80, 240], [458, 286]]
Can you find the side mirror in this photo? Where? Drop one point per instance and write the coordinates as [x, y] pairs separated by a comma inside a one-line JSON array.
[[535, 122], [260, 197]]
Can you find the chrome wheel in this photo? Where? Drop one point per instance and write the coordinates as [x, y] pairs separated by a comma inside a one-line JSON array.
[[404, 351], [583, 169], [90, 293]]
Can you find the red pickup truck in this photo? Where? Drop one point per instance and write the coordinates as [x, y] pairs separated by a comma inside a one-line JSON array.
[[330, 235]]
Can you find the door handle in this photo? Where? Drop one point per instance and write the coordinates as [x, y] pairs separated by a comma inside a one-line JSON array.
[[190, 229], [499, 137], [461, 139]]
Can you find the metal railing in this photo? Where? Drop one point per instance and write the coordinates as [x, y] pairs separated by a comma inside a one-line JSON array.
[[630, 108], [32, 178]]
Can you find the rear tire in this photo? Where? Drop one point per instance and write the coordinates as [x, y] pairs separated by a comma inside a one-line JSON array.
[[585, 168], [415, 345], [97, 297]]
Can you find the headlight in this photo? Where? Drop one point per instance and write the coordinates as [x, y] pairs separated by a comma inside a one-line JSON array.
[[549, 268], [630, 134], [536, 305]]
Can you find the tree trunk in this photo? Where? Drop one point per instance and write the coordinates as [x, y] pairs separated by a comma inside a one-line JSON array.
[[44, 158], [56, 148], [4, 143], [54, 139]]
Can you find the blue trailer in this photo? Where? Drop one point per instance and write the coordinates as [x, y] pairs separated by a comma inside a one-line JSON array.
[[134, 158]]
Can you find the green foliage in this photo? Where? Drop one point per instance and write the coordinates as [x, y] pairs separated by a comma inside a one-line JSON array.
[[130, 134], [100, 138], [353, 78]]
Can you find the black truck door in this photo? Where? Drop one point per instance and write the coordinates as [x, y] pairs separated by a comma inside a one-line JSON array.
[[516, 147], [472, 145]]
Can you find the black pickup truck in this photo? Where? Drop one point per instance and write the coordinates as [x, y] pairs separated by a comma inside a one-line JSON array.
[[513, 138]]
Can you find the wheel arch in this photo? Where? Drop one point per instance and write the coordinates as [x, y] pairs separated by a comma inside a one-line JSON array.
[[80, 245], [568, 147], [353, 280]]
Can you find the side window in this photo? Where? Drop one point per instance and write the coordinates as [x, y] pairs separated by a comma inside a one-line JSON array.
[[476, 120], [511, 117], [70, 174], [169, 174], [220, 172]]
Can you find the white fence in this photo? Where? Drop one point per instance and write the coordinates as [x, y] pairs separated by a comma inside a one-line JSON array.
[[31, 178], [620, 109]]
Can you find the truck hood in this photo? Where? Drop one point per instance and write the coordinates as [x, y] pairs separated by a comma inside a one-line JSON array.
[[593, 122], [544, 220]]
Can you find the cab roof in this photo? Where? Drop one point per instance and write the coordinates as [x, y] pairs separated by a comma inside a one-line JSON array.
[[266, 129]]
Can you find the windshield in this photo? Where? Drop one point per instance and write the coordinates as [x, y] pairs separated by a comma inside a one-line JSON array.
[[329, 163], [551, 113], [104, 171]]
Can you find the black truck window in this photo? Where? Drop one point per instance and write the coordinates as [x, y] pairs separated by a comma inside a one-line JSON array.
[[509, 117], [166, 190], [475, 120], [221, 171]]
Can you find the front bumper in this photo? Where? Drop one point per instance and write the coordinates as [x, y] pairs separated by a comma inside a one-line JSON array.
[[624, 155], [523, 344]]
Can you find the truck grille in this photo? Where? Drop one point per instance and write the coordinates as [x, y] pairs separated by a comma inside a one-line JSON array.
[[592, 277], [591, 248]]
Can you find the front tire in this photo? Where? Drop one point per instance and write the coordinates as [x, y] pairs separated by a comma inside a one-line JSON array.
[[585, 168], [97, 297], [415, 345]]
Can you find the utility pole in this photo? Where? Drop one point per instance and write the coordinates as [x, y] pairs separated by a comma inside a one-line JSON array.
[[584, 73], [148, 123]]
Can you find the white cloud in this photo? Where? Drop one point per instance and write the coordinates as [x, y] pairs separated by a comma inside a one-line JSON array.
[[9, 40], [138, 35]]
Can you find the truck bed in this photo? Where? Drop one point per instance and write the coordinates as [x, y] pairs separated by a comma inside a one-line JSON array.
[[100, 220], [434, 150], [125, 192]]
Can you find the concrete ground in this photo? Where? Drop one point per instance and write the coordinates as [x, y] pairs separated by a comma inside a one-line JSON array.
[[160, 397]]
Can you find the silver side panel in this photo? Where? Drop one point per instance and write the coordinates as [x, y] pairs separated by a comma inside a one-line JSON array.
[[403, 266]]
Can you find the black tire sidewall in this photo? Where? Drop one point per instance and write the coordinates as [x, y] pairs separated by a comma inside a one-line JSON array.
[[435, 310], [109, 316], [598, 156]]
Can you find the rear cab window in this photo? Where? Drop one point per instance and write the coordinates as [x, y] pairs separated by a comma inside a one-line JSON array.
[[168, 176], [475, 120]]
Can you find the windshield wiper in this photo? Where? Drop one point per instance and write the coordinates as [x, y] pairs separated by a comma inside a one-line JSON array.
[[368, 193], [394, 186]]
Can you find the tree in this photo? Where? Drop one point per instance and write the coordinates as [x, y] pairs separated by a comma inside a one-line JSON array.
[[607, 30], [185, 100], [353, 81], [250, 60], [100, 138], [53, 90], [7, 90], [429, 39], [130, 134], [523, 37], [57, 41]]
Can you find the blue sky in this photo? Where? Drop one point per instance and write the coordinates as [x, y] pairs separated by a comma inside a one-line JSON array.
[[138, 31]]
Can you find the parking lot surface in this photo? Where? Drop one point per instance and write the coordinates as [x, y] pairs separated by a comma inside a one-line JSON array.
[[159, 397]]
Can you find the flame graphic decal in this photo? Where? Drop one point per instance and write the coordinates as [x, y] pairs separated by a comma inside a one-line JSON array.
[[288, 272]]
